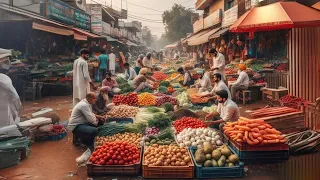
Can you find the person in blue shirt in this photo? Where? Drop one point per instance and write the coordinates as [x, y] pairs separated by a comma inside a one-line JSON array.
[[103, 63]]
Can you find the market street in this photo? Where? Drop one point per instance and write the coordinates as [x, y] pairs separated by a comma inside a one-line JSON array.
[[170, 89]]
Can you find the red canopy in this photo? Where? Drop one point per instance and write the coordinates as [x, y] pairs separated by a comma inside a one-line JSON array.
[[281, 15]]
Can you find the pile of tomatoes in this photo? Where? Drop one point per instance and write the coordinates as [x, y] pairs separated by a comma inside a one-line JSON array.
[[188, 122], [159, 76], [116, 153], [130, 99]]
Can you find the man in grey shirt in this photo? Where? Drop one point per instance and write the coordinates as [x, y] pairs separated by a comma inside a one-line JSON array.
[[83, 123]]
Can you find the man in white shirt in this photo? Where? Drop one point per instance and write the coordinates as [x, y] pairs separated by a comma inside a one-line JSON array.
[[242, 82], [219, 85], [219, 63], [81, 77], [204, 83], [83, 123], [130, 73], [10, 106], [187, 77], [227, 110], [147, 62], [112, 62]]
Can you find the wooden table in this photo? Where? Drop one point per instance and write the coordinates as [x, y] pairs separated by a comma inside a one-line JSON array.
[[275, 94]]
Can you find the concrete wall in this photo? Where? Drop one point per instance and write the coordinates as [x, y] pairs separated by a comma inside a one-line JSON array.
[[216, 5], [29, 5]]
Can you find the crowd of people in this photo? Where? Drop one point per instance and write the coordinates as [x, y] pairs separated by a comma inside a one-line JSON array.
[[89, 107]]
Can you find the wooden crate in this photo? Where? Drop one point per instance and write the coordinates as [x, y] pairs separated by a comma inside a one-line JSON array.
[[287, 123], [168, 172]]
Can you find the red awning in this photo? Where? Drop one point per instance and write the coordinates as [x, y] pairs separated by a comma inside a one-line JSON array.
[[86, 33], [51, 29], [79, 36], [281, 15]]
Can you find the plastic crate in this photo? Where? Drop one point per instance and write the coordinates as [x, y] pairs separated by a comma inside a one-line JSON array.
[[167, 172], [217, 172], [120, 120], [126, 170], [260, 156], [9, 158], [51, 138]]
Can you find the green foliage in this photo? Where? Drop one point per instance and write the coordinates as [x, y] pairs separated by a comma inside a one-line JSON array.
[[178, 22], [167, 106], [164, 83]]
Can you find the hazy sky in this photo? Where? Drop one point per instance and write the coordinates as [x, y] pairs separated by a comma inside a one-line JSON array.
[[150, 13]]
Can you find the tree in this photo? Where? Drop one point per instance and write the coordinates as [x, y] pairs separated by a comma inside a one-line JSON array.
[[147, 36], [177, 22]]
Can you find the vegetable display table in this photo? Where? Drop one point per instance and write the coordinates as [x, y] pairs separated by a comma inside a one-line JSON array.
[[274, 94]]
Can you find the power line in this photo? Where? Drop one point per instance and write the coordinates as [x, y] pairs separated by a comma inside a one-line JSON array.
[[145, 18], [145, 7]]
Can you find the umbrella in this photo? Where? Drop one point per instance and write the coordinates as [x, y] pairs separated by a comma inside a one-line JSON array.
[[281, 15]]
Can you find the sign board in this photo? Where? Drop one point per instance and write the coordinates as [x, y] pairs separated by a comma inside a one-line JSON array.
[[106, 28], [213, 19], [64, 13], [230, 16], [198, 25], [95, 10], [124, 14]]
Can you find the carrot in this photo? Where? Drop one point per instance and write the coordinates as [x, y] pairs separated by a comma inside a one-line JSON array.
[[253, 125], [260, 139], [274, 141], [262, 132], [252, 142], [243, 122], [246, 133], [266, 137], [280, 137], [239, 140], [240, 135], [244, 128], [271, 136], [261, 127], [251, 137], [272, 131], [259, 121], [283, 140], [235, 131], [256, 130], [268, 125], [256, 135]]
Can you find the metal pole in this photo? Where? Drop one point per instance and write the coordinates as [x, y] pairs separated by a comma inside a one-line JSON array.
[[111, 3], [121, 4]]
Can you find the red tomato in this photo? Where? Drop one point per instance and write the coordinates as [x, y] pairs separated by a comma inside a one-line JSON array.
[[114, 157], [115, 162]]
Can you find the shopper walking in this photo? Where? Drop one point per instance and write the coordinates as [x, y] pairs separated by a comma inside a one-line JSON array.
[[112, 62], [81, 77], [103, 63]]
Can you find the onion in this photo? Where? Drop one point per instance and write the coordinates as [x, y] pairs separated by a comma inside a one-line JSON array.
[[219, 142]]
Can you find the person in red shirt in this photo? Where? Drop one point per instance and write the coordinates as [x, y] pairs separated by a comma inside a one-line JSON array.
[[109, 84]]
